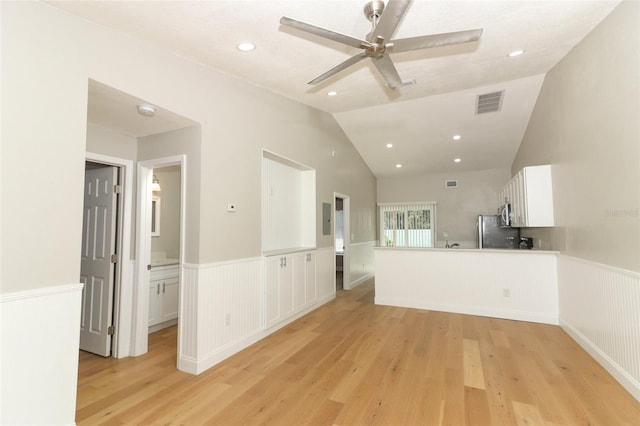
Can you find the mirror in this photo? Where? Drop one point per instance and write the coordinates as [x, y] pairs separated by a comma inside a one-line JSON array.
[[155, 216]]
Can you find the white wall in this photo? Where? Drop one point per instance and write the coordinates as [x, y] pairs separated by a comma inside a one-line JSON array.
[[585, 124], [457, 207], [511, 284]]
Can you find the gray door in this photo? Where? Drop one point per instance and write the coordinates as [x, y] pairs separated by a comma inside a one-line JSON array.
[[97, 271]]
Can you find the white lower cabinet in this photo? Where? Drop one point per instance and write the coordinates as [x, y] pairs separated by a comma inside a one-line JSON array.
[[163, 297], [290, 285]]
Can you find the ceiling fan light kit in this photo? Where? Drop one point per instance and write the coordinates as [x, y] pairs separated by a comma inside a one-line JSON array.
[[378, 44]]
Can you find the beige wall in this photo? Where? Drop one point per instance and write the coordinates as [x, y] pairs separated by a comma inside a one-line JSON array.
[[52, 57], [586, 123], [186, 142], [457, 207], [105, 141], [168, 242]]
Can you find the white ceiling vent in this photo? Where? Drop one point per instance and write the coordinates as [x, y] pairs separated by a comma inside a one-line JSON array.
[[489, 102], [450, 183]]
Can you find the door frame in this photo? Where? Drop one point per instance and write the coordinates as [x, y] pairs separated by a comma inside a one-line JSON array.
[[140, 326], [346, 231], [123, 276]]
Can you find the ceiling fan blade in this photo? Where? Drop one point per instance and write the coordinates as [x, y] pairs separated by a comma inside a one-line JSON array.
[[351, 61], [388, 71], [391, 16], [436, 40], [323, 32]]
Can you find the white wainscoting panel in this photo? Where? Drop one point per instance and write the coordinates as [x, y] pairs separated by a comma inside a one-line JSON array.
[[361, 262], [188, 319], [39, 355], [600, 309], [221, 308], [496, 283], [220, 311], [325, 275]]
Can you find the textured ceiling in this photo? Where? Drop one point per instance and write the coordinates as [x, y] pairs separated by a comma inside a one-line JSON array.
[[416, 118]]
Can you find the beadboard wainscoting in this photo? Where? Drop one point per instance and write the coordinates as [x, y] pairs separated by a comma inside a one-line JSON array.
[[221, 308], [325, 275], [361, 264], [600, 309], [510, 284], [39, 355]]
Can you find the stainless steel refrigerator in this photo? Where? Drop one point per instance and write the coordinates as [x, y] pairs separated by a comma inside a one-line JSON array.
[[491, 235]]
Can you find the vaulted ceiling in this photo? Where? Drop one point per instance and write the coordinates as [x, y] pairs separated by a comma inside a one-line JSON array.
[[419, 119]]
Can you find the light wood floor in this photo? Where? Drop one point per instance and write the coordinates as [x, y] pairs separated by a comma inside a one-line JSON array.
[[354, 363]]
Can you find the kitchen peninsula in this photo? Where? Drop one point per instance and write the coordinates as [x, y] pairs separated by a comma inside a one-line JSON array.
[[510, 284]]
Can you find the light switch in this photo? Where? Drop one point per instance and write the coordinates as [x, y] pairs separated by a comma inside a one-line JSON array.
[[231, 207]]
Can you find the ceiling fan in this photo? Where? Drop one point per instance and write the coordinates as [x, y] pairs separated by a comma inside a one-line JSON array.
[[378, 43]]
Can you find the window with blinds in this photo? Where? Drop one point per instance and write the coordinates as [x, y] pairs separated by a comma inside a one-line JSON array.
[[407, 224]]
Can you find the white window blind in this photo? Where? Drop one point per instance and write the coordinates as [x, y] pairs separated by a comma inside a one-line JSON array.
[[407, 224]]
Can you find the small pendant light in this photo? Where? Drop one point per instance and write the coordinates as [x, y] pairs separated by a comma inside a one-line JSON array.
[[155, 186]]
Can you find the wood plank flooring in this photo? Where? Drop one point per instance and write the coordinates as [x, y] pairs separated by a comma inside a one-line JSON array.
[[353, 363]]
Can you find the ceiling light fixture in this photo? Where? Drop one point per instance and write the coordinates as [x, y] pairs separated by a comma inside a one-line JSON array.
[[389, 145], [457, 160], [155, 186], [516, 53], [146, 110], [456, 137], [332, 93], [246, 46], [398, 166]]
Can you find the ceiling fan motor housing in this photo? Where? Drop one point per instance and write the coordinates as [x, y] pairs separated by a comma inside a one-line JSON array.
[[373, 10]]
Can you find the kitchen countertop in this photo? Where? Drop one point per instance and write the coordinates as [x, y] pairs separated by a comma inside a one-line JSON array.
[[466, 250], [164, 262]]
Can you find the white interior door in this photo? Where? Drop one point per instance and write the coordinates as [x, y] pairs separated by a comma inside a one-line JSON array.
[[96, 269]]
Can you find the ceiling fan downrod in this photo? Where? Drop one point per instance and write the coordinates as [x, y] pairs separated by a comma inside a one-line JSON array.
[[373, 11]]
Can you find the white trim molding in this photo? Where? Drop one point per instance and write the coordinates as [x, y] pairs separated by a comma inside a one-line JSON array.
[[600, 309], [126, 267]]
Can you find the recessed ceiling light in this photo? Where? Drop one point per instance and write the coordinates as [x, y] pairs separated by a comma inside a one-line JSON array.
[[389, 145], [456, 137], [246, 46], [515, 53], [332, 93], [146, 110], [457, 160], [398, 166]]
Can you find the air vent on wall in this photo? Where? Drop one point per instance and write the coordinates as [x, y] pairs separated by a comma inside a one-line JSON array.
[[489, 102], [451, 184]]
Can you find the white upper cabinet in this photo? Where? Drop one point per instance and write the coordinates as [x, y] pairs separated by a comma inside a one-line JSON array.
[[530, 194]]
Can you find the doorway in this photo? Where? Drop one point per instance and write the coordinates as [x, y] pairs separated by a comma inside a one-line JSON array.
[[164, 281], [105, 336], [98, 258], [159, 264], [341, 241]]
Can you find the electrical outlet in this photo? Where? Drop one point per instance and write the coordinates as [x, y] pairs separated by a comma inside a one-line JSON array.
[[506, 292], [227, 320]]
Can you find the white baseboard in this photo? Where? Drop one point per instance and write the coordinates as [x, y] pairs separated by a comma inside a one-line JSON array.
[[192, 366], [469, 310], [628, 382], [599, 307], [361, 279]]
